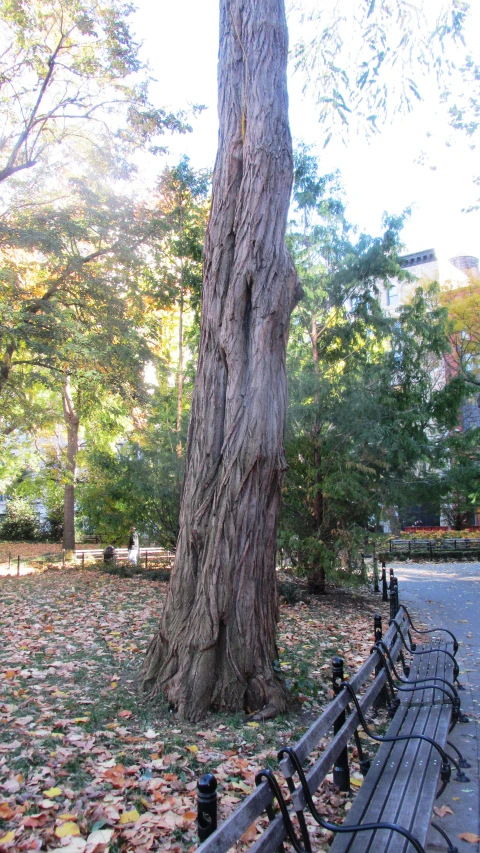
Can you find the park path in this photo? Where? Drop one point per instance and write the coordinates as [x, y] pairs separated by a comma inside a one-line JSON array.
[[448, 594]]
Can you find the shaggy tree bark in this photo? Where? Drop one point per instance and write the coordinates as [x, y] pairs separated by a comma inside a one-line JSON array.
[[215, 647]]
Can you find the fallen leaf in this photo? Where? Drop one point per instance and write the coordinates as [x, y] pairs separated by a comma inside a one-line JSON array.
[[471, 837], [441, 811], [249, 834], [189, 815], [253, 726], [5, 811], [100, 836], [150, 734], [6, 839], [129, 817], [53, 792], [76, 845], [125, 714], [192, 748], [357, 783], [35, 820], [68, 828]]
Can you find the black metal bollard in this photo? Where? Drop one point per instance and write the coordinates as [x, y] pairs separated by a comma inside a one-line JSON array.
[[384, 584], [392, 596], [206, 806], [397, 602], [341, 771], [383, 697]]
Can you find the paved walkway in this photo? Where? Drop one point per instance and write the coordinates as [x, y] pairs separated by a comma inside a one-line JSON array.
[[448, 594]]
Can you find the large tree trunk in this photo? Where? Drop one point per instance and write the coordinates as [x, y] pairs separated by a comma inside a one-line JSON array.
[[215, 647], [72, 422]]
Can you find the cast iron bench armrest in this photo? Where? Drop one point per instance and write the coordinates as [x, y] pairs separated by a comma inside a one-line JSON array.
[[432, 630]]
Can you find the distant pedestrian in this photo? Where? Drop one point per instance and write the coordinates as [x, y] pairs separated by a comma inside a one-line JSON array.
[[133, 543]]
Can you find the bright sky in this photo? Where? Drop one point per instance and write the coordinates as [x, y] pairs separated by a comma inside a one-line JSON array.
[[181, 45]]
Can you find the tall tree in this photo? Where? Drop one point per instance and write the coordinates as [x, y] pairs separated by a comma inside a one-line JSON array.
[[215, 646], [66, 65]]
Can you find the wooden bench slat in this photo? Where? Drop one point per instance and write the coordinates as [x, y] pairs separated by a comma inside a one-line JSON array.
[[363, 800], [242, 818], [382, 796]]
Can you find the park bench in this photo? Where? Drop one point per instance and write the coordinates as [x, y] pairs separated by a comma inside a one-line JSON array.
[[146, 556], [391, 812]]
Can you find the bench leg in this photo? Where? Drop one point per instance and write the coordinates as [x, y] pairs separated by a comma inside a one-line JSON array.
[[333, 827], [451, 848], [462, 761]]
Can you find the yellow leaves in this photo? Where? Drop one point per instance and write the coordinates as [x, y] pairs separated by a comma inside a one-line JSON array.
[[53, 792], [471, 837], [129, 817], [68, 828], [81, 719], [9, 673], [113, 685], [192, 748], [6, 839], [356, 781], [254, 725]]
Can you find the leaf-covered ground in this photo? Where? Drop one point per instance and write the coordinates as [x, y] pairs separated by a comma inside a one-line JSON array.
[[87, 768]]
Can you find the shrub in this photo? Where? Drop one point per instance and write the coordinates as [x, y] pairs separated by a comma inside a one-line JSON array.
[[20, 522]]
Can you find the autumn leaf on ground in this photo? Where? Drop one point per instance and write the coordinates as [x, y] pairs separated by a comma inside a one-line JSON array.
[[53, 792], [249, 834], [471, 837], [129, 817], [441, 811], [68, 828]]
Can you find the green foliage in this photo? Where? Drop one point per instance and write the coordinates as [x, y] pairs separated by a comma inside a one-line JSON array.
[[367, 59], [459, 480], [69, 65], [136, 481], [20, 522], [367, 405]]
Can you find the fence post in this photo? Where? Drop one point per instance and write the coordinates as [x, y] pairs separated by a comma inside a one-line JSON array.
[[397, 602], [18, 566], [392, 596], [83, 559], [341, 772], [377, 627], [9, 560], [146, 558], [384, 585], [206, 806]]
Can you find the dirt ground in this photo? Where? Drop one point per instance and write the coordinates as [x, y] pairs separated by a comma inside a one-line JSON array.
[[84, 766]]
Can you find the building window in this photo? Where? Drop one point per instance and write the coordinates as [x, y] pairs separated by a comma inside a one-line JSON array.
[[392, 296]]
